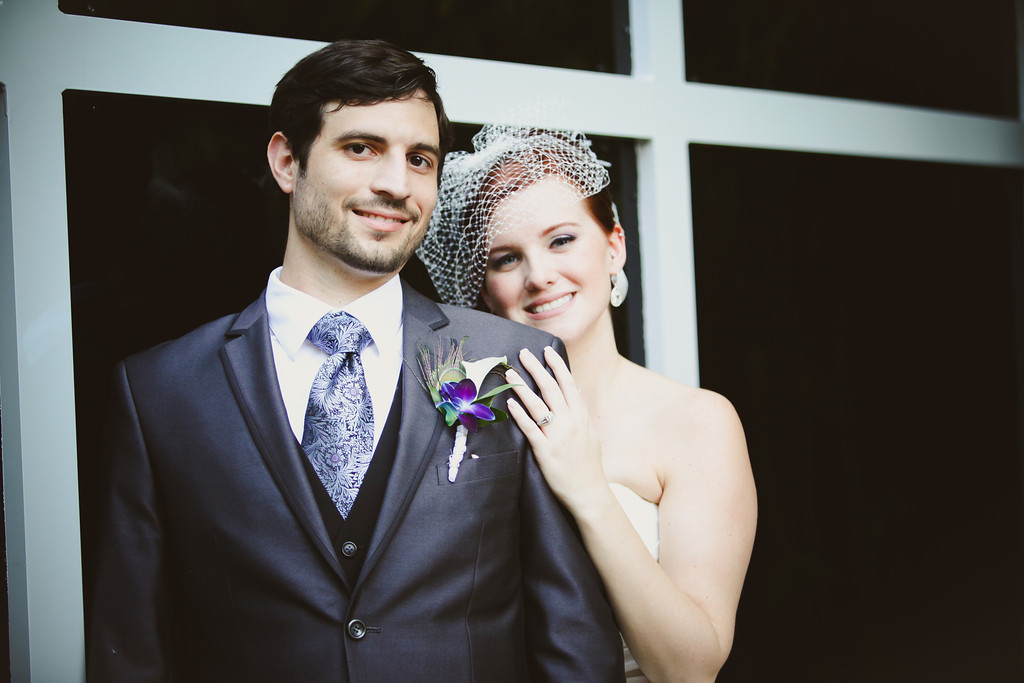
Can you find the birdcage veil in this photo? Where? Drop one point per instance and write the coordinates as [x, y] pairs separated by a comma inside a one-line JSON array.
[[505, 160]]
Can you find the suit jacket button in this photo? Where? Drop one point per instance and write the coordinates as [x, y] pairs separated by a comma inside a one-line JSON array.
[[348, 548], [356, 629]]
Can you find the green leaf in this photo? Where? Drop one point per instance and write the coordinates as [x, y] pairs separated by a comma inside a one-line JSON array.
[[450, 414], [494, 392]]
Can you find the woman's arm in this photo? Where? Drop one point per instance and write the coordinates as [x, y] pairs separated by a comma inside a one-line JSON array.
[[677, 616]]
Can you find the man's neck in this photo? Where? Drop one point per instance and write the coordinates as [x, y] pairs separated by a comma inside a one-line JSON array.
[[327, 280]]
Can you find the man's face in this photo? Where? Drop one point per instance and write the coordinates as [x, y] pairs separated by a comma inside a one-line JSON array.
[[365, 194]]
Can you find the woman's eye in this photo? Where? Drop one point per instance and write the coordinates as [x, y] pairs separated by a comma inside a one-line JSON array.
[[562, 240], [504, 261]]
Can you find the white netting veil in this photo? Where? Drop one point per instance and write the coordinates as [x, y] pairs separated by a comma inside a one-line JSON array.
[[506, 159]]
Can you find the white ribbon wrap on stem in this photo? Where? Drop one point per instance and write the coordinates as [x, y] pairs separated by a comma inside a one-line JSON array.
[[458, 451]]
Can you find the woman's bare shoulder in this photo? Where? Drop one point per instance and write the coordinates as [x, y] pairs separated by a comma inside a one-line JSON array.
[[679, 406], [691, 436]]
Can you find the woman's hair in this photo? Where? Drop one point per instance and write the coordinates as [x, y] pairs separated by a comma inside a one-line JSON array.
[[506, 160]]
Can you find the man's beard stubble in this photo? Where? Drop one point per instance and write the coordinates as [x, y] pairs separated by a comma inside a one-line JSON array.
[[314, 220]]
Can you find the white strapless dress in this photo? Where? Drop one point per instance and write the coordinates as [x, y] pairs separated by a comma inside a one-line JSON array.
[[643, 514]]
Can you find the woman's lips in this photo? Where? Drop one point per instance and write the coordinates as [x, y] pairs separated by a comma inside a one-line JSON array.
[[548, 306]]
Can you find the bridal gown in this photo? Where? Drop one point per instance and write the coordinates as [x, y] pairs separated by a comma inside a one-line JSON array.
[[643, 514]]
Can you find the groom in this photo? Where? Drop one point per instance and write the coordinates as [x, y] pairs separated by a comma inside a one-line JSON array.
[[251, 534]]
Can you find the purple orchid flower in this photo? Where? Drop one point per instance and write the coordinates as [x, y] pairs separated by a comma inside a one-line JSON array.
[[457, 403]]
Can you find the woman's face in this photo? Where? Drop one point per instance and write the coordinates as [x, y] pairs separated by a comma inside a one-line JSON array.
[[553, 270]]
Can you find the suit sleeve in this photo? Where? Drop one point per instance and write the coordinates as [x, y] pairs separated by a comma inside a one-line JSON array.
[[570, 632], [128, 603]]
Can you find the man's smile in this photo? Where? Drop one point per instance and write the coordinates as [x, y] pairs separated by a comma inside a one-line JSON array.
[[386, 222]]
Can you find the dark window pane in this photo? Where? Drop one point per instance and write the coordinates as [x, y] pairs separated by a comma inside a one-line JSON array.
[[862, 314], [174, 219], [947, 54], [577, 34]]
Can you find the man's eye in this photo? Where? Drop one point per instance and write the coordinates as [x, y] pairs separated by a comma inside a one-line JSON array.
[[358, 148], [420, 161]]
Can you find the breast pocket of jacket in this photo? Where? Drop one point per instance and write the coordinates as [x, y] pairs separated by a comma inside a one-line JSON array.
[[480, 468]]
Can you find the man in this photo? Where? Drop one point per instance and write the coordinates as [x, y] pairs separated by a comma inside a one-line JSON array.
[[250, 535]]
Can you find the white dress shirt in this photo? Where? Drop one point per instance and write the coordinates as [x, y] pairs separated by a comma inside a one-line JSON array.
[[292, 314]]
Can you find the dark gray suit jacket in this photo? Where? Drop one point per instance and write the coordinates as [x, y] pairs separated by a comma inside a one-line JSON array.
[[215, 565]]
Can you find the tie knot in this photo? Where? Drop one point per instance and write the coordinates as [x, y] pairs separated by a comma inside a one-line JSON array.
[[339, 332]]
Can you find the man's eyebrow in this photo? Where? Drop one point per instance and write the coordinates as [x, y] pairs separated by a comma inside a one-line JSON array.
[[427, 147], [349, 135]]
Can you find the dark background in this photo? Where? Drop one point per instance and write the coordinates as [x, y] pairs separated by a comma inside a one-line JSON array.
[[863, 315], [574, 34], [948, 54]]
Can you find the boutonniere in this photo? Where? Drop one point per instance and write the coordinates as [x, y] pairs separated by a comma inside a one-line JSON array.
[[454, 385]]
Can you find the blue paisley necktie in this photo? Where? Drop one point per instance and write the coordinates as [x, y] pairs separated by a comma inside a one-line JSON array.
[[338, 432]]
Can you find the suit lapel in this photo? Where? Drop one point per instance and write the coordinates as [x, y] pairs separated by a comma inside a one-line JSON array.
[[249, 362], [421, 424]]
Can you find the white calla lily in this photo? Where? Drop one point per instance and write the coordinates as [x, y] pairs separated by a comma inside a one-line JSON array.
[[477, 370]]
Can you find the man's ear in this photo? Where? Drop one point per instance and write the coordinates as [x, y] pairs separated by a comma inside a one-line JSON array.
[[617, 249], [283, 163]]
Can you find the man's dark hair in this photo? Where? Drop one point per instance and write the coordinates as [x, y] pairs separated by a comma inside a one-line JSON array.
[[352, 72]]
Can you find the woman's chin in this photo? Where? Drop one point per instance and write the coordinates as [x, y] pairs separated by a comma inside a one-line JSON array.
[[559, 326]]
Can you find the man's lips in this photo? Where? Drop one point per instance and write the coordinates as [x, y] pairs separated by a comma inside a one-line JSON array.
[[550, 305], [382, 221]]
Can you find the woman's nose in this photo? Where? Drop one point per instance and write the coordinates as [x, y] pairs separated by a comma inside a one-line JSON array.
[[540, 273]]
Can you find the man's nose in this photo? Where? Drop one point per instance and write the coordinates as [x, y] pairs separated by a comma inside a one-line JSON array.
[[391, 177]]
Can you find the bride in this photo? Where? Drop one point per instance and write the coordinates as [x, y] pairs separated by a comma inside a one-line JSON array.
[[655, 473]]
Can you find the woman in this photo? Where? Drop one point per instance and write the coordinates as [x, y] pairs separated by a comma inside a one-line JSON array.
[[654, 472]]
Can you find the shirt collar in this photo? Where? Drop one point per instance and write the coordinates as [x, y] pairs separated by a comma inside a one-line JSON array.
[[292, 313]]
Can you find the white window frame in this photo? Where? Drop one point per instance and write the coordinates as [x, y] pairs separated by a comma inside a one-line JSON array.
[[43, 52]]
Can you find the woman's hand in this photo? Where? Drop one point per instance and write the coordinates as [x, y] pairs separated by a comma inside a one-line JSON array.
[[559, 429]]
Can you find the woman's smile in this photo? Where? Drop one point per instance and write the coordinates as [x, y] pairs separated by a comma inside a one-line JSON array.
[[553, 306]]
